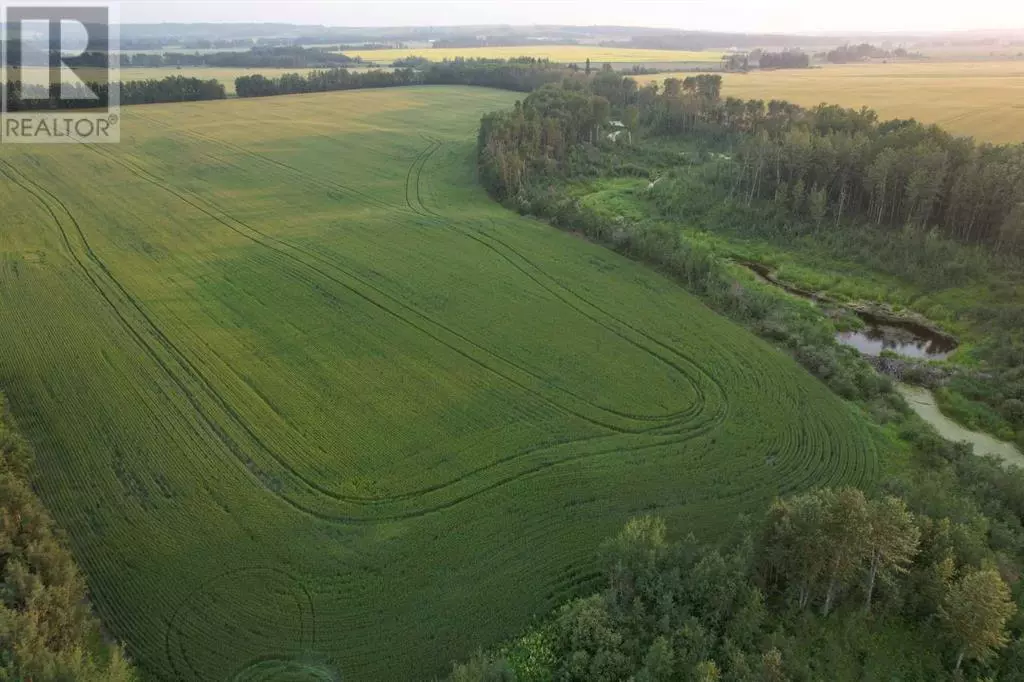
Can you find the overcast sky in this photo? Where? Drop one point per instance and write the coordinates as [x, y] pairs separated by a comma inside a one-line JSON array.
[[720, 15]]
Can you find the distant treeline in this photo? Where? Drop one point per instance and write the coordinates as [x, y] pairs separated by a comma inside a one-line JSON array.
[[522, 75], [414, 62], [271, 57], [47, 630], [846, 54], [170, 89], [787, 59], [282, 57], [372, 46]]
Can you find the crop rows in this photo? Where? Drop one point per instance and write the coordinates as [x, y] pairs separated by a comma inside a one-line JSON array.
[[311, 406]]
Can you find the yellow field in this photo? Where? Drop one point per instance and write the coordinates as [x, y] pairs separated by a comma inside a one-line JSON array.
[[984, 99], [556, 53]]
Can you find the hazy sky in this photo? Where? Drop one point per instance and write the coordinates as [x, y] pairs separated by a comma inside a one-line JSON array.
[[722, 15]]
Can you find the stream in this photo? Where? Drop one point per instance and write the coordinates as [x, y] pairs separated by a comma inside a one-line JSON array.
[[911, 340], [923, 403], [905, 338]]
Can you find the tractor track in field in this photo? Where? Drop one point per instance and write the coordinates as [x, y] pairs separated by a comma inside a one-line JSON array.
[[665, 418], [416, 171], [233, 447], [303, 598], [419, 208], [477, 234], [191, 637], [262, 238], [311, 178], [215, 428], [488, 240]]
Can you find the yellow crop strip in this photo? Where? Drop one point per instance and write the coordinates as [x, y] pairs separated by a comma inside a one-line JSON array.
[[556, 53]]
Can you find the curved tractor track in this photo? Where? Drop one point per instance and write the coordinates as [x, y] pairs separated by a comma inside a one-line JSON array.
[[201, 318]]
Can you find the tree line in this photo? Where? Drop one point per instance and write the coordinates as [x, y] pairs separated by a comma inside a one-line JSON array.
[[21, 97], [280, 57], [787, 59], [745, 61], [845, 54], [830, 163], [522, 75], [47, 630]]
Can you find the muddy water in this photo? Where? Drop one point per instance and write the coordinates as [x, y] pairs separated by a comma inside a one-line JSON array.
[[923, 403], [903, 337], [879, 337]]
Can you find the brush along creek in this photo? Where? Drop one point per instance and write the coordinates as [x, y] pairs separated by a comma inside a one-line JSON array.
[[905, 337]]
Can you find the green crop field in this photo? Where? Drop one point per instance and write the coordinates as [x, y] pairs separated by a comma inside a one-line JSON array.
[[310, 405]]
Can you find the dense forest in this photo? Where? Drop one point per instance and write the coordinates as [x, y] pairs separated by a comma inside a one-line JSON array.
[[826, 162], [47, 630]]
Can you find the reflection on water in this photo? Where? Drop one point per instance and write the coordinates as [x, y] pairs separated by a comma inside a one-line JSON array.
[[877, 338], [923, 403], [905, 338]]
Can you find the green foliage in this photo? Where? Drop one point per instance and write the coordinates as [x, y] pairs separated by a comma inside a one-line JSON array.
[[685, 610], [47, 630], [481, 668], [152, 90], [974, 613]]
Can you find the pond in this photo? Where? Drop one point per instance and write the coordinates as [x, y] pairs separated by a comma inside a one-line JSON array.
[[923, 403], [905, 339], [902, 337]]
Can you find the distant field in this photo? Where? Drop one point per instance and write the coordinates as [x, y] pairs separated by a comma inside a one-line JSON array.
[[311, 406], [556, 53], [984, 99]]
